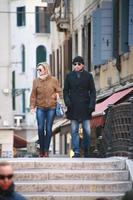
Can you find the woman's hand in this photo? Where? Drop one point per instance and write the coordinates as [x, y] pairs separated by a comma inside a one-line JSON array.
[[32, 110], [57, 96]]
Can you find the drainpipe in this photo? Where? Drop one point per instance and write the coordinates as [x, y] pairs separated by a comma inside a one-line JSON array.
[[66, 7]]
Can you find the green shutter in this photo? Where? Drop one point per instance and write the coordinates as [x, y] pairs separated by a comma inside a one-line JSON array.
[[21, 19], [23, 101], [18, 17], [40, 55], [47, 24], [13, 91], [37, 19], [23, 58]]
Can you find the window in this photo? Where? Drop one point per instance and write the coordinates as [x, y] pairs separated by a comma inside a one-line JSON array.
[[130, 28], [21, 16], [120, 27], [102, 33], [13, 91], [53, 63], [76, 43], [40, 54], [83, 42], [89, 47], [23, 58], [42, 20], [23, 101], [57, 61]]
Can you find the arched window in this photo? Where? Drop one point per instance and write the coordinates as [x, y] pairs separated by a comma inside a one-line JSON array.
[[40, 54], [23, 58]]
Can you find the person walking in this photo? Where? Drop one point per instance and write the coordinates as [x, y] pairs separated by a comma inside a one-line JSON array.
[[7, 187], [79, 97], [43, 99]]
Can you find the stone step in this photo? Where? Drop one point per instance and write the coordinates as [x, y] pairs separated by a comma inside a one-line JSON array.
[[71, 179], [68, 163], [46, 174], [73, 186], [72, 196]]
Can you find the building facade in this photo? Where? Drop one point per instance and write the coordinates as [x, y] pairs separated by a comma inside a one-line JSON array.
[[25, 41], [30, 44], [102, 32]]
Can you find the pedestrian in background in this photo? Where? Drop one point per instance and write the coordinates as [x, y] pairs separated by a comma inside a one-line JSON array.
[[79, 96], [43, 99], [7, 187]]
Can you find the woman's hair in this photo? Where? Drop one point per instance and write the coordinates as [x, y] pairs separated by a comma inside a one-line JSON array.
[[100, 198], [46, 67]]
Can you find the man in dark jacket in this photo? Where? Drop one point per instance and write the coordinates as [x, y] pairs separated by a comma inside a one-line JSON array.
[[7, 191], [79, 96]]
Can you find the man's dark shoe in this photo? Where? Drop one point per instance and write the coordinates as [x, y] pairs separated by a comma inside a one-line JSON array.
[[86, 154], [76, 155]]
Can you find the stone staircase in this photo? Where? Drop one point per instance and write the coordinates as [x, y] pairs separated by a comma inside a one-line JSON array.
[[71, 179]]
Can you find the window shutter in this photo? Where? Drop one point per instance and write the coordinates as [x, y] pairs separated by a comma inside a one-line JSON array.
[[18, 17], [23, 58], [115, 48], [41, 55], [130, 23], [23, 102], [57, 56], [102, 33], [106, 31], [13, 90], [96, 36], [124, 13], [37, 19], [53, 63], [47, 24]]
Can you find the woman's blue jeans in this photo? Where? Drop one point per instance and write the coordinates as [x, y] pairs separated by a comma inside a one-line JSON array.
[[75, 135], [45, 118]]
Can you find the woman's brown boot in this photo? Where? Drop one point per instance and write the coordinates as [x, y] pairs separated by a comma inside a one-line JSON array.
[[41, 154], [46, 154]]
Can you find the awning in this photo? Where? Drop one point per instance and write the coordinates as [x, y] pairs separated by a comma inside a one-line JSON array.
[[103, 106], [97, 121], [114, 98], [19, 142]]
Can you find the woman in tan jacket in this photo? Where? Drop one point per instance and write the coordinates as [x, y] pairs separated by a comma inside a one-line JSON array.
[[44, 95]]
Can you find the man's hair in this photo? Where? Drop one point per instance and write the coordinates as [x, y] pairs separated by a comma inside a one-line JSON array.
[[102, 198], [3, 164]]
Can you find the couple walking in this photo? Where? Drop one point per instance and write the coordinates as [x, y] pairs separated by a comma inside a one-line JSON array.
[[79, 96]]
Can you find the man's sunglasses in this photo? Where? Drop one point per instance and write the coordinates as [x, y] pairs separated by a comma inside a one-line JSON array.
[[9, 176], [77, 64]]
